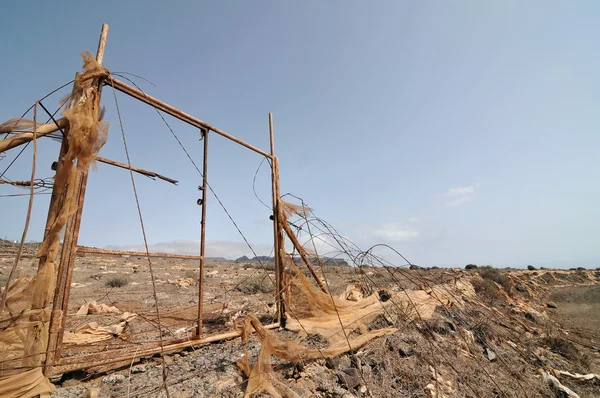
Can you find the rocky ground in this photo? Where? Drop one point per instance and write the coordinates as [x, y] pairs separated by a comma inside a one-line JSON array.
[[499, 343]]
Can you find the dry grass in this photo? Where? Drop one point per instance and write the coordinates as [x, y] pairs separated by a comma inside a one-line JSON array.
[[256, 284], [493, 274], [263, 266], [117, 281], [487, 290]]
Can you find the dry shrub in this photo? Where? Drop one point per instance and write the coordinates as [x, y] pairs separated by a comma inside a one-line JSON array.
[[568, 350], [487, 290], [191, 274], [117, 281], [494, 275], [263, 266], [256, 284]]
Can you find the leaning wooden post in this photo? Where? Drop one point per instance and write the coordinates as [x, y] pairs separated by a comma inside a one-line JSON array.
[[300, 249], [277, 233], [202, 236], [69, 246]]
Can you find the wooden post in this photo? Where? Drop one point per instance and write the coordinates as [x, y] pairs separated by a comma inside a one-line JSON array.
[[300, 249], [202, 236], [277, 234], [69, 246], [40, 131]]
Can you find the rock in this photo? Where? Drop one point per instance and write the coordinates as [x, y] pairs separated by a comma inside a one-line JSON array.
[[551, 304], [534, 317], [520, 287], [70, 383], [113, 379], [92, 392], [406, 351], [140, 368], [350, 377], [491, 355]]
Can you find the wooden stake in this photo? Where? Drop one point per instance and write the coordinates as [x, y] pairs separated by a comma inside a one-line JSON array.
[[279, 264], [300, 249], [69, 247], [41, 130]]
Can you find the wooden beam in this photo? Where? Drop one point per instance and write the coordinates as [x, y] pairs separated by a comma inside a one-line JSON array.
[[71, 236], [114, 357], [93, 250], [41, 130], [277, 233], [300, 249]]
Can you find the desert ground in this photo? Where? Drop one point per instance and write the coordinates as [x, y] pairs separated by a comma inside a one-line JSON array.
[[519, 324]]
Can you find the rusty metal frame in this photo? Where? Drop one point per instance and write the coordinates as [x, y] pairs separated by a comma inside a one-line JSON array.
[[54, 364], [202, 234]]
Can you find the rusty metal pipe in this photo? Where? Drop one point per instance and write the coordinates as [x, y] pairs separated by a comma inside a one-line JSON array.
[[176, 113], [202, 236]]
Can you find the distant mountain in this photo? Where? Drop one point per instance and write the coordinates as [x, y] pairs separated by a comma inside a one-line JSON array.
[[217, 259], [297, 260]]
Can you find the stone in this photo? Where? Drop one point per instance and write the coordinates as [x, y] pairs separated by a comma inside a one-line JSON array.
[[350, 377], [70, 383], [520, 287], [92, 392], [534, 317], [551, 304], [140, 368], [406, 351], [113, 379], [491, 355]]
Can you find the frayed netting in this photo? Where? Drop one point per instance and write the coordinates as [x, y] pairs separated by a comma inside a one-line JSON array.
[[345, 324], [16, 124], [292, 209], [24, 320]]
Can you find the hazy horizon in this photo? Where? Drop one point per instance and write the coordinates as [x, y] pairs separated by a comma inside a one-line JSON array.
[[457, 133]]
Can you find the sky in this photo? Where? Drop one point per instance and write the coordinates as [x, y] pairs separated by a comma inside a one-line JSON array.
[[456, 132]]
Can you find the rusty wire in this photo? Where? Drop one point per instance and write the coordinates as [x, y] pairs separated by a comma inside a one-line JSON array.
[[164, 364]]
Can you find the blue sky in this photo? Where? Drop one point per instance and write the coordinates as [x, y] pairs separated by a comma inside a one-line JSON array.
[[458, 132]]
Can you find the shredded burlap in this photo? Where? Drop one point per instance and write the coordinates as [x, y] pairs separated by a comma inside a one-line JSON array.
[[17, 124], [26, 384], [94, 308], [311, 311], [259, 378], [93, 333], [25, 318], [291, 209]]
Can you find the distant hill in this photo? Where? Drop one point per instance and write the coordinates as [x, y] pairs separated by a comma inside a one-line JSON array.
[[298, 260]]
